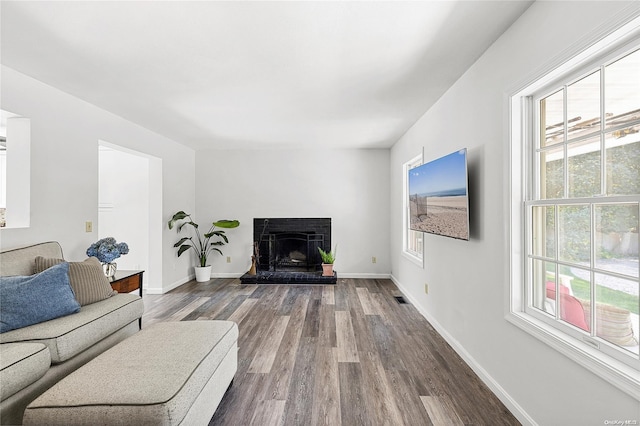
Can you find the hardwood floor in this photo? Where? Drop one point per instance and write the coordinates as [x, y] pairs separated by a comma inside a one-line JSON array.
[[344, 354]]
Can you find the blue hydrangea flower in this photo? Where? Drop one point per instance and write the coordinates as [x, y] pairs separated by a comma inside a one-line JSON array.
[[107, 250]]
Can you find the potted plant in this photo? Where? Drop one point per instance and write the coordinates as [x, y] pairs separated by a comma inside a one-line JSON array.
[[201, 243], [327, 261]]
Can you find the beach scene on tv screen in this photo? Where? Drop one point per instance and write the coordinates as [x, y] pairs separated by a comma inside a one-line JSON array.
[[438, 199]]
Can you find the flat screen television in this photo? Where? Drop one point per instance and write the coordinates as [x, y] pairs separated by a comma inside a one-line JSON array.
[[439, 198]]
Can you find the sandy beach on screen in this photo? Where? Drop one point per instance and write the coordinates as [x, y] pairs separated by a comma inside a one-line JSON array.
[[443, 215]]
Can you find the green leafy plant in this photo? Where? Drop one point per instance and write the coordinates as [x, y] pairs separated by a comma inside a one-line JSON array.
[[202, 244], [329, 257]]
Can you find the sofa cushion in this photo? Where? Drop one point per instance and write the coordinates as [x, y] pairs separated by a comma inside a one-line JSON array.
[[20, 365], [67, 336], [32, 299], [87, 278]]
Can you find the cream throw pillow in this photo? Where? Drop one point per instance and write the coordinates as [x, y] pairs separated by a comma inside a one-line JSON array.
[[613, 323], [87, 279]]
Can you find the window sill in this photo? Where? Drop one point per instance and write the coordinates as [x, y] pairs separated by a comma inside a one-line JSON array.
[[418, 260], [615, 372]]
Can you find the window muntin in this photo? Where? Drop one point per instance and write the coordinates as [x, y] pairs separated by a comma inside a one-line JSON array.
[[584, 208]]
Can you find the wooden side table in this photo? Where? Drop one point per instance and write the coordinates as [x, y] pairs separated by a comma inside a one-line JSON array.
[[126, 282]]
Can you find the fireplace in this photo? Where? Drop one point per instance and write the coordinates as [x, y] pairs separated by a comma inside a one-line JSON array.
[[291, 244]]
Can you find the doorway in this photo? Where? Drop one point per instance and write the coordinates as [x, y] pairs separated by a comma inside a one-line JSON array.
[[129, 208]]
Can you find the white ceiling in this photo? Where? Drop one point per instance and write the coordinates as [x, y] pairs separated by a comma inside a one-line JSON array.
[[212, 74]]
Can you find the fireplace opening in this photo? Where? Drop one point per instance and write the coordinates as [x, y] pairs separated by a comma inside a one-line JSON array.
[[295, 251]]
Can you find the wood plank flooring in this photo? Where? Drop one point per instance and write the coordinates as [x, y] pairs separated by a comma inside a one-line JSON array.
[[344, 354]]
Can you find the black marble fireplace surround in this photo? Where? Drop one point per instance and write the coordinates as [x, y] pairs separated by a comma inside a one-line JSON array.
[[288, 250]]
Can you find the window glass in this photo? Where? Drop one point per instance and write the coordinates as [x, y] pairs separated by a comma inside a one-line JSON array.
[[552, 173], [623, 161], [583, 168], [543, 235], [574, 244], [552, 118], [617, 238], [544, 286], [574, 291], [583, 106], [622, 90], [617, 310]]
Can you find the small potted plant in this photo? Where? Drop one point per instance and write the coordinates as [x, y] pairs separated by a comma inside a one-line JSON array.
[[107, 250], [327, 261], [202, 243]]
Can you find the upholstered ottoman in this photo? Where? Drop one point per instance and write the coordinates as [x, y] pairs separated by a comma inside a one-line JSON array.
[[167, 374]]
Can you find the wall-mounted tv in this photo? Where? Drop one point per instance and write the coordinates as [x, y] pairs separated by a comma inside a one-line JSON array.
[[438, 196]]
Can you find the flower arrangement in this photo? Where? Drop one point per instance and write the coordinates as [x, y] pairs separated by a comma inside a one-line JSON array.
[[107, 250]]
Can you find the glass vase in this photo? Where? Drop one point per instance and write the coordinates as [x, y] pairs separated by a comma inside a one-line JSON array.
[[109, 269]]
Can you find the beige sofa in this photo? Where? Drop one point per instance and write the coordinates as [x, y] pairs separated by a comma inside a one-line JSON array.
[[34, 358]]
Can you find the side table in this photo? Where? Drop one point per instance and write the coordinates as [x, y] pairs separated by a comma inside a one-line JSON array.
[[126, 282]]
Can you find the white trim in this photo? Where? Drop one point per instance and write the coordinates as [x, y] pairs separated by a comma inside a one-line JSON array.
[[414, 257], [486, 378], [173, 285], [363, 275], [226, 275]]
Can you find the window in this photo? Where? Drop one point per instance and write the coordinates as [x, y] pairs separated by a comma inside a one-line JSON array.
[[575, 209], [412, 246], [15, 170]]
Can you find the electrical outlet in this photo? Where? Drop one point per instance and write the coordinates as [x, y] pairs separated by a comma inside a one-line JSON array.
[[373, 259], [426, 288], [228, 259], [88, 226]]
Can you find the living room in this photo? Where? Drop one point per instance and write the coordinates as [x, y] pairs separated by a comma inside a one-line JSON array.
[[360, 189]]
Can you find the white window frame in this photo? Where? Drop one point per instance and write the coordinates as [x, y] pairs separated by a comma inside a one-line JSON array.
[[416, 256], [519, 144]]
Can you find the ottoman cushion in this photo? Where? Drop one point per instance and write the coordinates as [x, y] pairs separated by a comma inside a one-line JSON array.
[[151, 378], [20, 365]]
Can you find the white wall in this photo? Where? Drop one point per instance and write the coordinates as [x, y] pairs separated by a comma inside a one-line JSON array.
[[349, 186], [64, 170], [467, 288]]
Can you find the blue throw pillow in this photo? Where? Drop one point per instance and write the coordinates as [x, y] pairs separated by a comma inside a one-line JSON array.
[[28, 300]]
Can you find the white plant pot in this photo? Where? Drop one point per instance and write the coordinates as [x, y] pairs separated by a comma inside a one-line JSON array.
[[203, 273]]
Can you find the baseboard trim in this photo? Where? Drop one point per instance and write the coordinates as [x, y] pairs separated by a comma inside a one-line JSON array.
[[227, 274], [171, 286], [495, 387], [364, 276]]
